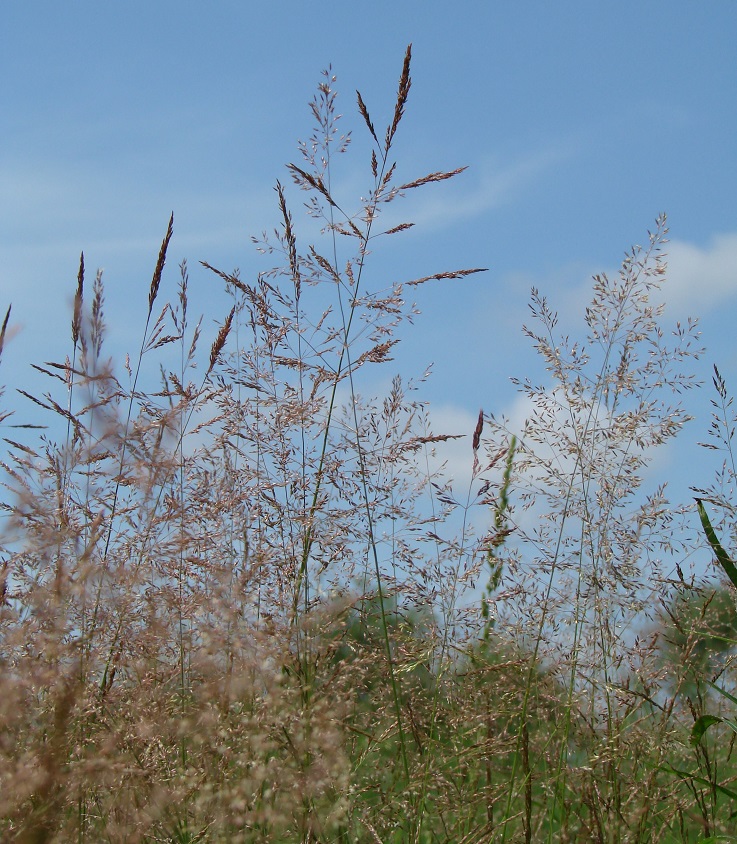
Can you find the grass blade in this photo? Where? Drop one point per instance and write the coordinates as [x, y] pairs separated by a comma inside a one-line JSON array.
[[723, 558]]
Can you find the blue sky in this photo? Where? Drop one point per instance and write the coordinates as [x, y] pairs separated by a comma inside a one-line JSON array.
[[580, 122]]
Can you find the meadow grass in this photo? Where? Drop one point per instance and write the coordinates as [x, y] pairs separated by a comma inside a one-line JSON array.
[[236, 607]]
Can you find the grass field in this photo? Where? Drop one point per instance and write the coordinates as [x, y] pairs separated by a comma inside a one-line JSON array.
[[238, 607]]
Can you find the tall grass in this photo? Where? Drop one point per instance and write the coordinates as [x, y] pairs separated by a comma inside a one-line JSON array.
[[234, 607]]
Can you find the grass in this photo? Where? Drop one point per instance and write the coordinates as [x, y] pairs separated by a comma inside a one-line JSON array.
[[236, 607]]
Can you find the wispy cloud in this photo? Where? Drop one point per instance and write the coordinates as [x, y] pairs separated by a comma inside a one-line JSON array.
[[490, 184]]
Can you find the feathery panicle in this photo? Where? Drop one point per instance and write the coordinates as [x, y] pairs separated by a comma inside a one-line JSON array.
[[183, 300], [478, 431], [432, 177], [4, 329], [325, 265], [405, 83], [156, 279], [219, 342], [402, 227], [306, 181], [97, 322], [448, 275], [230, 278], [364, 113], [77, 314], [290, 240]]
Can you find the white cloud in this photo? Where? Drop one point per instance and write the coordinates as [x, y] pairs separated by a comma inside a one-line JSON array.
[[698, 280], [701, 278]]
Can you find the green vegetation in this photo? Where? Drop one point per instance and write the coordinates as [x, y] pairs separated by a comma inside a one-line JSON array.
[[238, 607]]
